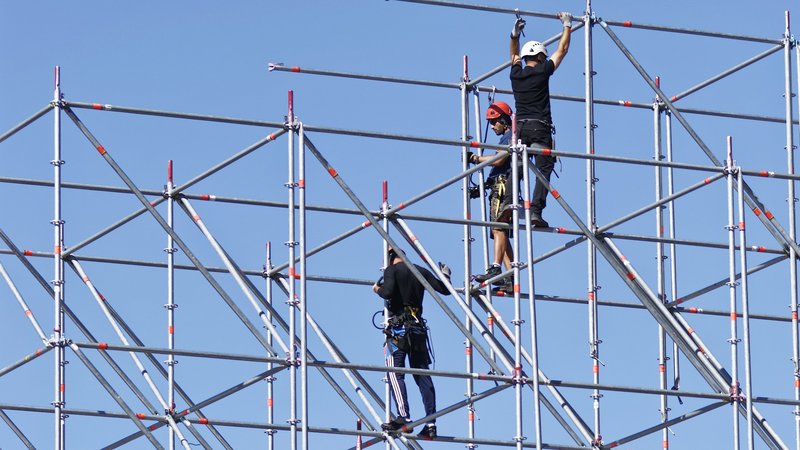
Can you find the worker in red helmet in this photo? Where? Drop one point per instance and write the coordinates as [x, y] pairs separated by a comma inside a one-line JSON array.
[[501, 197], [530, 81]]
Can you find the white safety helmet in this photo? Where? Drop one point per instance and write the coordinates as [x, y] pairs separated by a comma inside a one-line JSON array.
[[532, 48]]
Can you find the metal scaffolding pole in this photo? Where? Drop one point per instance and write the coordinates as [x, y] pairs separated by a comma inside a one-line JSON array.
[[673, 251], [660, 283], [26, 122], [734, 339], [788, 43], [270, 365], [464, 89], [24, 305], [170, 306], [301, 185], [59, 395], [291, 354], [16, 430], [387, 413], [748, 384], [516, 149]]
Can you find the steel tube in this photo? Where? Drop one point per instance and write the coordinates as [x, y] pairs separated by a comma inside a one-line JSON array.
[[24, 305], [673, 251], [59, 382], [170, 306], [26, 122], [748, 384], [270, 380], [358, 76], [515, 162], [734, 339], [665, 424], [25, 360], [291, 352], [301, 186], [16, 430], [660, 283]]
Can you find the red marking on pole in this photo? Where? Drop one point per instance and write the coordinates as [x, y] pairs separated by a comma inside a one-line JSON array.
[[631, 276], [39, 351], [153, 203], [101, 296], [468, 351], [501, 294], [205, 197], [627, 23], [665, 444], [768, 215], [292, 273], [400, 206], [385, 186], [140, 416], [471, 416], [741, 226], [97, 106], [658, 82], [555, 193], [203, 421], [627, 103], [57, 249], [764, 173], [184, 412], [27, 252], [102, 346], [366, 224], [171, 329], [561, 230], [690, 330], [547, 151], [622, 258], [474, 144], [152, 427], [332, 171], [271, 137], [662, 368], [100, 149], [270, 402], [733, 316], [196, 217], [693, 310], [661, 231], [797, 383], [613, 444], [761, 248], [707, 180], [757, 211], [679, 301], [296, 69], [291, 106], [591, 151], [169, 171], [466, 67], [62, 387], [469, 216], [595, 368], [490, 321], [413, 238], [516, 289], [28, 312], [527, 204], [85, 278], [590, 296], [794, 315], [301, 184]]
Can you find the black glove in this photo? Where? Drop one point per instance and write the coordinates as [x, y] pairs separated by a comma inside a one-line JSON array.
[[470, 157]]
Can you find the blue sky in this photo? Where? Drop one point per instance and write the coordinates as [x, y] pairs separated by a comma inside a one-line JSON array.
[[211, 58]]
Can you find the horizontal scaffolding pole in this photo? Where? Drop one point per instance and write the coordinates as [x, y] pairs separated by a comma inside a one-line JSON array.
[[25, 122], [475, 376], [627, 24]]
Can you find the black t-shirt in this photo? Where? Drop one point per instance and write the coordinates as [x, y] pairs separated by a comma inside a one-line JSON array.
[[401, 288], [531, 87]]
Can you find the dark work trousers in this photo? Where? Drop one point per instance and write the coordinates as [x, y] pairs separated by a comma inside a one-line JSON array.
[[398, 384], [536, 133]]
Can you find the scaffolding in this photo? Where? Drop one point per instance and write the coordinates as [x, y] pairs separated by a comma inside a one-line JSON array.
[[290, 338]]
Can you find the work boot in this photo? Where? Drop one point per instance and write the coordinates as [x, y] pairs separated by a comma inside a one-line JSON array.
[[537, 221], [397, 424], [506, 287], [428, 432], [492, 272]]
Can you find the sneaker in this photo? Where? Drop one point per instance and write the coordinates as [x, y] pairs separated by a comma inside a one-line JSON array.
[[537, 221], [397, 424], [506, 288], [428, 432], [492, 272]]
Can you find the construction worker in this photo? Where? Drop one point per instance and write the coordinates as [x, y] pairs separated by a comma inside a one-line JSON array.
[[530, 81], [407, 335], [501, 198]]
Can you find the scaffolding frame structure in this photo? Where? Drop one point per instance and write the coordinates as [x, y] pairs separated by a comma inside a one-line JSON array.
[[285, 334]]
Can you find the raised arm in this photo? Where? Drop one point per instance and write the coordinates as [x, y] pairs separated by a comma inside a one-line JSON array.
[[514, 47], [563, 44]]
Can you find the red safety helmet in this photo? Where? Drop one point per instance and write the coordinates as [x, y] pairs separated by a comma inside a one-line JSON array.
[[498, 109]]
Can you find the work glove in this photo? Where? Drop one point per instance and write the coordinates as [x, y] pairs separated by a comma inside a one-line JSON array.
[[519, 25], [566, 19], [445, 270], [471, 158]]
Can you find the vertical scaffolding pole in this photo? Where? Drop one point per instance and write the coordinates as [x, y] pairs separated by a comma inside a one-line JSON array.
[[537, 420], [661, 285], [301, 184], [591, 219], [170, 306], [270, 379], [518, 383], [292, 302], [734, 339], [385, 257], [673, 250], [58, 271], [792, 226], [748, 385], [467, 238]]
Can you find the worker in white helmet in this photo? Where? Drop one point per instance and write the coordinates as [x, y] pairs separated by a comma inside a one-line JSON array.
[[530, 81]]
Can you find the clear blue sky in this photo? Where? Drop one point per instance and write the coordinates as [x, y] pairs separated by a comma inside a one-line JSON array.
[[211, 58]]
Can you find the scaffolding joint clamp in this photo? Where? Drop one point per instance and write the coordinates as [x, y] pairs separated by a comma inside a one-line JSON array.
[[518, 322], [171, 362], [58, 404], [520, 438], [732, 283], [170, 250], [291, 243], [171, 306], [57, 222], [57, 162]]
